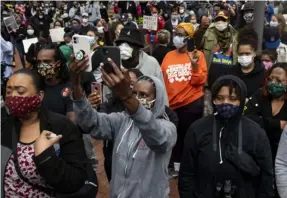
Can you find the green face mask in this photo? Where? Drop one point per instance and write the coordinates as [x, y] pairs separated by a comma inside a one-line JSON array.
[[277, 89]]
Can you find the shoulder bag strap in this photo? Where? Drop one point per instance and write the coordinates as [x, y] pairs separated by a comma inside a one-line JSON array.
[[240, 137], [214, 134], [17, 168]]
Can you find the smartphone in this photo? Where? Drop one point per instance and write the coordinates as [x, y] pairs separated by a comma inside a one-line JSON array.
[[111, 52], [190, 45], [81, 47], [96, 86]]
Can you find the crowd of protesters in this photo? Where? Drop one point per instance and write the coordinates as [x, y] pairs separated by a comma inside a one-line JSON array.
[[195, 99]]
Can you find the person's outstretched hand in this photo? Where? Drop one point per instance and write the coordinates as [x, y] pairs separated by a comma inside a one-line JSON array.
[[118, 81]]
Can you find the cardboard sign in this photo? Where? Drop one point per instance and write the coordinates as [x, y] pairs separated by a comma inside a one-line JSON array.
[[28, 42], [57, 35], [150, 22], [10, 23]]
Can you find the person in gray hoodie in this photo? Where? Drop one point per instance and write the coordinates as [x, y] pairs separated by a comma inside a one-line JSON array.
[[143, 135], [281, 165]]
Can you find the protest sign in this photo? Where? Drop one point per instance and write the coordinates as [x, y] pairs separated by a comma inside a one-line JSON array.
[[28, 42], [57, 34], [10, 23], [150, 22]]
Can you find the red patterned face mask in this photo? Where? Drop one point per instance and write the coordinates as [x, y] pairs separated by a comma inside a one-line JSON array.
[[22, 106]]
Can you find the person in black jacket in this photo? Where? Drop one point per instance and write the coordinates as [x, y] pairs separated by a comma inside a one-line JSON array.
[[41, 22], [268, 106], [56, 164], [162, 49], [128, 7], [226, 154], [172, 23], [249, 69]]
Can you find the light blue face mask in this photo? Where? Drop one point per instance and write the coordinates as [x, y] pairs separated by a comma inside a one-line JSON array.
[[92, 40], [178, 41]]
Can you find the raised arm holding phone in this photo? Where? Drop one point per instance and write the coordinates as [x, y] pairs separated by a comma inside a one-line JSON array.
[[141, 133]]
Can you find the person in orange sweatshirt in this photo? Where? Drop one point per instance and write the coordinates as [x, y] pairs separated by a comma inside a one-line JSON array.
[[184, 74]]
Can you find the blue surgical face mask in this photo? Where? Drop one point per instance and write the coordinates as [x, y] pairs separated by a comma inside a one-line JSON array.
[[226, 110], [92, 40], [178, 41]]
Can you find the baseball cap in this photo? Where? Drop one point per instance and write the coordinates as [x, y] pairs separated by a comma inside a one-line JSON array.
[[271, 37], [222, 14], [85, 14], [124, 17]]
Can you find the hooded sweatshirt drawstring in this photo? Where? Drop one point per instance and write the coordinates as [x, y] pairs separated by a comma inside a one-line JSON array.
[[219, 143]]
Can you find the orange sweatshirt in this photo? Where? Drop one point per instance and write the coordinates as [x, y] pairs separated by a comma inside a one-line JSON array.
[[183, 84]]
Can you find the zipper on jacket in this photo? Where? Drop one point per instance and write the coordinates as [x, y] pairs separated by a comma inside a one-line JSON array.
[[123, 137], [219, 142], [91, 183], [134, 155], [129, 151]]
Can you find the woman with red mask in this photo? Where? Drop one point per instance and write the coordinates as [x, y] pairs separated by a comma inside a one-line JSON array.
[[42, 152]]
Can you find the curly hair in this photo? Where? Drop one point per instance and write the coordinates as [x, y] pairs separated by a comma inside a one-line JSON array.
[[268, 73], [63, 69], [248, 36]]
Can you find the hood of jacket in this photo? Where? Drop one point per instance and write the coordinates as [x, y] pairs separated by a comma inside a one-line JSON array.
[[241, 85], [159, 106], [143, 57]]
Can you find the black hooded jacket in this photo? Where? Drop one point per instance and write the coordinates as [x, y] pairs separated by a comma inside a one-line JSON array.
[[205, 165], [254, 79]]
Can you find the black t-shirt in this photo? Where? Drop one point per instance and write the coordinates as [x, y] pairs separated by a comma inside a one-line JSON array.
[[160, 52], [57, 98]]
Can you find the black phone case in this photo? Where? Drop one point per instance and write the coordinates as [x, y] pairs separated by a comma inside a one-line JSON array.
[[113, 53]]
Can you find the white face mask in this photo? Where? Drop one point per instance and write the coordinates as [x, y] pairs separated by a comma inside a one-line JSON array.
[[274, 23], [181, 11], [100, 29], [178, 41], [126, 51], [30, 31], [245, 61], [85, 20], [220, 25], [65, 15]]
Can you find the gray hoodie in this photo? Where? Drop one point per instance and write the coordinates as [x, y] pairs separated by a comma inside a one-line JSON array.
[[142, 146], [281, 165]]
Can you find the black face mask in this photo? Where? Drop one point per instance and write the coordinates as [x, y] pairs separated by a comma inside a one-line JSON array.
[[133, 61]]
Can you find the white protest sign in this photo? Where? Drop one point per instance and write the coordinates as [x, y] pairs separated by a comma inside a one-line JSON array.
[[150, 22], [28, 42], [57, 35], [10, 23]]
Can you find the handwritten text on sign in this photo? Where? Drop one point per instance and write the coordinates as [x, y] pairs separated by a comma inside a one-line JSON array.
[[150, 22]]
